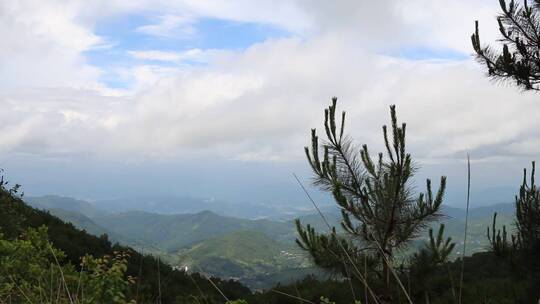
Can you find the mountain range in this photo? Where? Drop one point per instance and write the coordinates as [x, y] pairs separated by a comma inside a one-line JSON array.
[[250, 250]]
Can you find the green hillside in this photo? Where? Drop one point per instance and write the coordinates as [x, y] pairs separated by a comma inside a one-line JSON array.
[[17, 217], [167, 234], [82, 222], [86, 224], [242, 255], [251, 250], [174, 232], [49, 202]]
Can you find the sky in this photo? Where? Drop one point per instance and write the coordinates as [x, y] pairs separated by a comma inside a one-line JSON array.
[[216, 99]]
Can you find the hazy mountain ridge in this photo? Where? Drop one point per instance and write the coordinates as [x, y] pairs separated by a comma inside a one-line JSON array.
[[81, 221], [182, 205], [50, 202], [228, 246], [173, 232]]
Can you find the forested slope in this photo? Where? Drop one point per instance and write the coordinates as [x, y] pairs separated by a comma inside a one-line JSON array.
[[174, 286]]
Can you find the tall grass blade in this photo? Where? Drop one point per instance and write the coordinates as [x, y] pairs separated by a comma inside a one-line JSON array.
[[214, 285], [159, 280], [61, 273], [466, 226], [291, 296]]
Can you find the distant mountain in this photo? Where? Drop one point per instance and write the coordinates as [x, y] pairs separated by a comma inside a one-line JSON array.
[[178, 205], [88, 225], [49, 202], [493, 195], [221, 245], [173, 232], [168, 233], [242, 255], [478, 212], [81, 221]]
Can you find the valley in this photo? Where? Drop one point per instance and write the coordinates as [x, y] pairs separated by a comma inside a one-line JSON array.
[[257, 252]]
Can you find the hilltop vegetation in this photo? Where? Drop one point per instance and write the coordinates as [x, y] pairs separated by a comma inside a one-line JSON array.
[[82, 222], [173, 232], [174, 286], [245, 255]]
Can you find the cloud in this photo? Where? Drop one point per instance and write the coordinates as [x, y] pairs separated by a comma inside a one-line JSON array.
[[54, 122], [258, 103], [170, 26], [193, 55], [43, 45]]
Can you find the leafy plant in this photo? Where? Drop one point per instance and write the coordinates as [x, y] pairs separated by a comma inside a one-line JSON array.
[[104, 279], [31, 270]]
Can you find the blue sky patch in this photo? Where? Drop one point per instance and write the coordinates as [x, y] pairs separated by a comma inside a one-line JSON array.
[[209, 33]]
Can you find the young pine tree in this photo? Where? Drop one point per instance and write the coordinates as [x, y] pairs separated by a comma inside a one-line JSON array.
[[381, 213], [519, 59], [527, 223], [424, 263], [528, 213]]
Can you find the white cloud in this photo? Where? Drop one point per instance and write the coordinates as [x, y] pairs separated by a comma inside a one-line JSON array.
[[43, 45], [258, 103], [170, 26], [193, 55], [448, 24]]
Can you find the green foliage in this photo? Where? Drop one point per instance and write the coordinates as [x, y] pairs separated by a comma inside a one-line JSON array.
[[31, 270], [27, 268], [487, 279], [176, 286], [244, 255], [327, 250], [104, 280], [519, 60], [10, 211], [523, 251], [528, 213], [437, 249], [380, 211], [499, 242], [528, 233], [519, 25], [428, 260]]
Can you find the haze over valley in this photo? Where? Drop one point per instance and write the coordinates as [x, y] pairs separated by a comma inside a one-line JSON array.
[[258, 252]]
